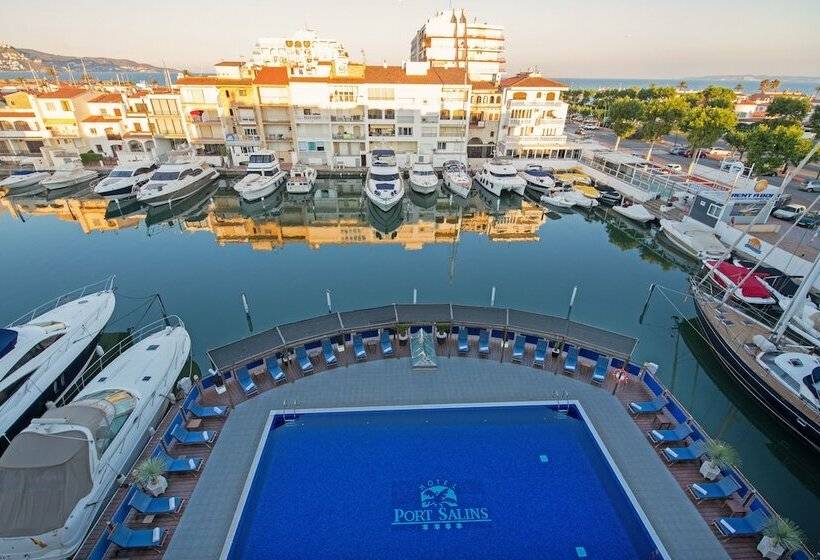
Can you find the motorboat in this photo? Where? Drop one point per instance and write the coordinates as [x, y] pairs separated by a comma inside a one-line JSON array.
[[125, 180], [581, 200], [23, 179], [383, 185], [423, 178], [558, 200], [498, 176], [538, 177], [175, 181], [264, 176], [64, 178], [457, 178], [636, 212], [44, 350], [587, 190], [301, 179], [744, 287], [570, 178], [610, 197], [58, 474], [693, 238]]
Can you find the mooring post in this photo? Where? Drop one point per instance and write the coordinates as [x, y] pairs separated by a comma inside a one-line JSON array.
[[646, 303], [492, 297]]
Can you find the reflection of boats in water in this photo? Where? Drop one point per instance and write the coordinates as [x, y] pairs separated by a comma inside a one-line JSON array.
[[264, 207], [184, 208], [422, 200], [384, 221], [119, 208], [499, 204]]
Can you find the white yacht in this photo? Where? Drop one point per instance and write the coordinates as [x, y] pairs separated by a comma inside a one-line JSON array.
[[558, 199], [423, 178], [263, 178], [383, 185], [538, 178], [64, 178], [635, 212], [43, 351], [693, 238], [58, 474], [175, 181], [499, 175], [301, 179], [457, 178], [23, 178], [125, 180]]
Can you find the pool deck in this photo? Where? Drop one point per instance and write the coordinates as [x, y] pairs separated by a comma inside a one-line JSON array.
[[204, 525]]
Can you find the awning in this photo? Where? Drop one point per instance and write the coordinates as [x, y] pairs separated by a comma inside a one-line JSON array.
[[422, 350]]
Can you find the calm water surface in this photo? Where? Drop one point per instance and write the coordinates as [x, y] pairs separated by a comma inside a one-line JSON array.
[[284, 253]]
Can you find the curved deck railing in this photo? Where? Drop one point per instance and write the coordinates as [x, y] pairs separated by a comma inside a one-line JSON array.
[[105, 285], [507, 321]]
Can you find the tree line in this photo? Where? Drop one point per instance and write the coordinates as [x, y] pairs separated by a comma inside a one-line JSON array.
[[704, 117]]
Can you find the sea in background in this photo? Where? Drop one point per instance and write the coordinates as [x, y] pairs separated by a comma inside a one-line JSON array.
[[806, 85]]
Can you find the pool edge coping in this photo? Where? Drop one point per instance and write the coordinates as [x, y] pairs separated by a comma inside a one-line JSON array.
[[240, 506]]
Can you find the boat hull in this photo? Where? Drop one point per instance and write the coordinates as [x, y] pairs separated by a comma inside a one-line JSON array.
[[184, 192], [461, 190], [263, 190], [781, 409], [423, 189], [64, 184]]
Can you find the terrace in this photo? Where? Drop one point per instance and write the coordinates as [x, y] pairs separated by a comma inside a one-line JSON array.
[[503, 373]]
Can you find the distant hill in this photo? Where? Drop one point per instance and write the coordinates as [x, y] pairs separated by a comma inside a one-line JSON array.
[[18, 59], [751, 77]]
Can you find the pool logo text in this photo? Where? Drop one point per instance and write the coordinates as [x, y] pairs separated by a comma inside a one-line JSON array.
[[439, 509]]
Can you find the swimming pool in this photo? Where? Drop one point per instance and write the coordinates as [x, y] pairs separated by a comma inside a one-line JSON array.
[[515, 482]]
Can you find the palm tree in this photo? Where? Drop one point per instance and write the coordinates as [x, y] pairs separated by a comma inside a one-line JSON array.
[[764, 85], [775, 83], [739, 87], [683, 86]]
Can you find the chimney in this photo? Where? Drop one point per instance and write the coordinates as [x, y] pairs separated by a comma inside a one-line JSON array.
[[384, 63]]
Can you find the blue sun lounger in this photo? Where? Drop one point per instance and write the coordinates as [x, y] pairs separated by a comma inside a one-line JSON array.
[[387, 346], [206, 411], [719, 490], [518, 348], [484, 343], [540, 353], [601, 369], [571, 361], [682, 454], [304, 361], [188, 437], [124, 537], [676, 434], [327, 352], [358, 348], [179, 465], [463, 340], [749, 525], [275, 370], [245, 381], [648, 407], [147, 505]]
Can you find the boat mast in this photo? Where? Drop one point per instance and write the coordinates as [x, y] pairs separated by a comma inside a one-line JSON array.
[[797, 302]]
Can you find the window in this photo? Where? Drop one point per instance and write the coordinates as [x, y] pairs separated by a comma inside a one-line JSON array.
[[92, 131], [405, 131], [50, 107], [389, 114], [121, 403], [9, 391], [35, 351], [714, 211], [441, 145], [227, 94], [374, 113], [385, 94], [551, 96], [66, 106], [243, 92], [117, 112], [519, 96], [137, 127]]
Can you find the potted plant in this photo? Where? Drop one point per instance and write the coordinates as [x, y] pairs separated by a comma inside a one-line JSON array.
[[442, 329], [148, 475], [721, 455], [402, 333], [779, 536]]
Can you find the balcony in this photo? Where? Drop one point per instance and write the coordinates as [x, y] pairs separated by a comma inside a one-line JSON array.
[[348, 136], [381, 132], [310, 118], [24, 134], [549, 121], [203, 119], [346, 118], [279, 138], [111, 136]]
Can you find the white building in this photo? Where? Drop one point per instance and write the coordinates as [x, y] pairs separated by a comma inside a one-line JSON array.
[[304, 54], [532, 116], [450, 40]]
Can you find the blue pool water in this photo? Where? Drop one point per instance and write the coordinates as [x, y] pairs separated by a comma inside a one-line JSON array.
[[501, 482]]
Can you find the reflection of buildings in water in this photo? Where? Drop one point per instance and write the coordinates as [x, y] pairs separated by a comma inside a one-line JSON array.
[[89, 213]]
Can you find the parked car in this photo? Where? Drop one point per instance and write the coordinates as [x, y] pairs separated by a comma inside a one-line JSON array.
[[590, 126], [681, 151], [717, 153], [732, 166], [811, 186], [809, 220], [783, 200], [789, 212], [674, 166]]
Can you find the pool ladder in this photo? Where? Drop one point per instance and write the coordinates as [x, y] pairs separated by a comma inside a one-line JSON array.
[[562, 401], [289, 412]]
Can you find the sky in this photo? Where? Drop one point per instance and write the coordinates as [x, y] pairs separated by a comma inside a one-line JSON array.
[[578, 38]]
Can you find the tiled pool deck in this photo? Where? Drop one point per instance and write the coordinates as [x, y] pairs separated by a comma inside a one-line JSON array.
[[204, 525]]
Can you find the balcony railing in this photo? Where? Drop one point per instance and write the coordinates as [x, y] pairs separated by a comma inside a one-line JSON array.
[[348, 136], [346, 118], [310, 118], [114, 136]]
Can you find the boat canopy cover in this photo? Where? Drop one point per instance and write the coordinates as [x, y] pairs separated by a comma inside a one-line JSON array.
[[422, 350], [752, 287], [42, 477], [8, 338]]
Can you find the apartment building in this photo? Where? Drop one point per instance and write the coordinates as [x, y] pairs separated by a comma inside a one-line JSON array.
[[165, 118], [303, 54], [22, 132], [485, 115], [532, 116], [62, 111], [450, 39]]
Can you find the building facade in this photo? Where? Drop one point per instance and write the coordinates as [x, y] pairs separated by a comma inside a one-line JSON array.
[[304, 54], [450, 39], [532, 116]]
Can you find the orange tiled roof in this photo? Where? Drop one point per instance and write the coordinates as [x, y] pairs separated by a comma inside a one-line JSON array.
[[484, 85], [63, 93], [526, 80], [107, 98], [19, 114], [212, 81], [272, 75], [229, 63], [392, 75], [138, 93], [101, 118]]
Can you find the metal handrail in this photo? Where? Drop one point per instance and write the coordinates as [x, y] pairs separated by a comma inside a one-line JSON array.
[[95, 368], [105, 285]]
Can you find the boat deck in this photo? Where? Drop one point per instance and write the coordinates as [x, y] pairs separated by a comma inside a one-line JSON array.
[[184, 485]]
